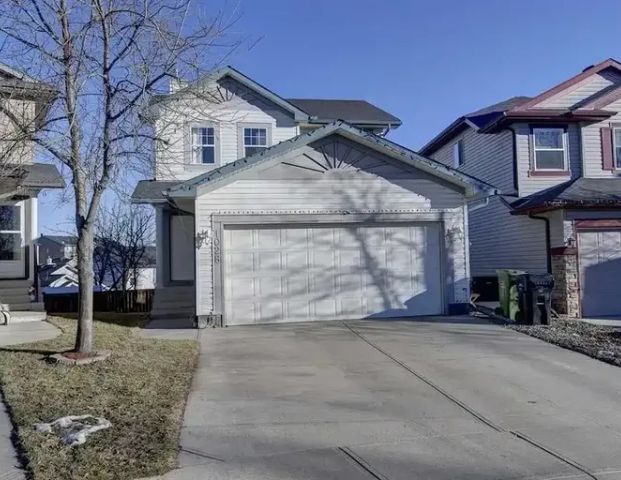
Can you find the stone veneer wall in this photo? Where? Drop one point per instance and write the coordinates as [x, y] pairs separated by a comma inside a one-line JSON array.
[[566, 294]]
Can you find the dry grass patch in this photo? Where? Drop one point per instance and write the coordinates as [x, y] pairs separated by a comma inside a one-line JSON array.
[[141, 389]]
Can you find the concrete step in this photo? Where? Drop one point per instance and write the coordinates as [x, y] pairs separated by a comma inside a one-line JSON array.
[[23, 290], [26, 307], [14, 284], [172, 316], [24, 298], [27, 316], [186, 310]]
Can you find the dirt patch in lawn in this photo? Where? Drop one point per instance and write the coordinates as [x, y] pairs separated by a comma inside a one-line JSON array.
[[141, 389], [598, 342]]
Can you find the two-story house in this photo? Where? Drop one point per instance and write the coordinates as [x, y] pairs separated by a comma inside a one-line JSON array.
[[24, 103], [271, 209], [56, 247], [556, 157]]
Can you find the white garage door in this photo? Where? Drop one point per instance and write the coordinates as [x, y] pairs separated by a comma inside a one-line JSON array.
[[309, 273], [600, 272]]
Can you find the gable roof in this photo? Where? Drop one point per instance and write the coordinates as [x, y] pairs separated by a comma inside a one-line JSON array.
[[471, 185], [359, 112], [477, 119], [306, 110], [587, 72], [248, 82], [494, 117], [60, 239]]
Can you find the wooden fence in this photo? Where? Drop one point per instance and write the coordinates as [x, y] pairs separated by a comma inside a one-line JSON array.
[[131, 301]]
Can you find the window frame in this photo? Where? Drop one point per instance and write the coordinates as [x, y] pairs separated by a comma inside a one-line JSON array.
[[20, 231], [241, 144], [459, 159], [190, 158], [616, 159], [535, 149]]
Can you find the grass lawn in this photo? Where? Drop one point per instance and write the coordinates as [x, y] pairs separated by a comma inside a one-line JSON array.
[[141, 389]]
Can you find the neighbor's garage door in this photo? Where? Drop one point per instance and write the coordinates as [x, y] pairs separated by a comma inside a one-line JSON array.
[[324, 273], [600, 272]]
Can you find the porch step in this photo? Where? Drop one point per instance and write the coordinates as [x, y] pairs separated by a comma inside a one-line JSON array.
[[15, 284], [27, 316], [10, 299], [11, 291], [25, 307]]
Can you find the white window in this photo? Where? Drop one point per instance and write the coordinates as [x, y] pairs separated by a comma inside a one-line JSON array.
[[203, 145], [458, 154], [616, 139], [255, 140], [549, 148], [10, 232]]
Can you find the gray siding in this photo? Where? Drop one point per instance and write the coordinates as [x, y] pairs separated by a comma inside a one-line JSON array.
[[501, 240], [487, 156], [356, 180], [528, 183], [592, 144], [497, 238]]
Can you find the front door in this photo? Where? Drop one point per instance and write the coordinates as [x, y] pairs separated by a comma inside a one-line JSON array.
[[12, 240], [181, 248]]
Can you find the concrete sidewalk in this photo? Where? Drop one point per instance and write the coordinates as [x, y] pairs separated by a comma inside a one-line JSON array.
[[15, 334], [437, 398]]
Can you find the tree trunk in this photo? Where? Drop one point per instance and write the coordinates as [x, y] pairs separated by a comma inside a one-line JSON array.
[[84, 338]]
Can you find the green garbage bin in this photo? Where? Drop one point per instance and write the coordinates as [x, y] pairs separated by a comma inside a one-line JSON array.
[[509, 284]]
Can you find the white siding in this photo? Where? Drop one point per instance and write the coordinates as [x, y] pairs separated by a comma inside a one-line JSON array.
[[223, 106], [12, 148], [374, 185], [581, 91]]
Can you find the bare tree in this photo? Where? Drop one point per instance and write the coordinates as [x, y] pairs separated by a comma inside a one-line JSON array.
[[122, 238], [106, 59]]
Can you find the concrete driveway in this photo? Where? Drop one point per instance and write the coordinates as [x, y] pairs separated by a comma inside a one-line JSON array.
[[439, 398]]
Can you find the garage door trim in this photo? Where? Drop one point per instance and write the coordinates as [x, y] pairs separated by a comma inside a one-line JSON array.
[[242, 221]]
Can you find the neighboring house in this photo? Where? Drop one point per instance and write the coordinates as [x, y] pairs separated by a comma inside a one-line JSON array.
[[272, 210], [56, 247], [557, 159], [59, 277], [24, 103]]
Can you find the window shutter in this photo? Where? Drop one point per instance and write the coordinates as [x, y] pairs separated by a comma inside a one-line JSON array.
[[608, 161]]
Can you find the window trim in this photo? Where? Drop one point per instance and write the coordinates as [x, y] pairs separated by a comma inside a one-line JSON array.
[[534, 170], [458, 147], [189, 157], [616, 160], [241, 148]]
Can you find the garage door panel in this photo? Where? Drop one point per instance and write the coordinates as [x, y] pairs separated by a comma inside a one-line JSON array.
[[600, 272], [270, 286], [331, 272], [270, 261]]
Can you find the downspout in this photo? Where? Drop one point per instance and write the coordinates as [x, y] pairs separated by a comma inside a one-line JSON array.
[[515, 159]]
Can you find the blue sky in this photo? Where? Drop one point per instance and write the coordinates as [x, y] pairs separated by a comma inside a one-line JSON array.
[[427, 62]]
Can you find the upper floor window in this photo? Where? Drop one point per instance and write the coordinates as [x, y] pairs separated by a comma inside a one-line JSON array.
[[203, 145], [458, 154], [549, 149], [255, 140], [616, 139]]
